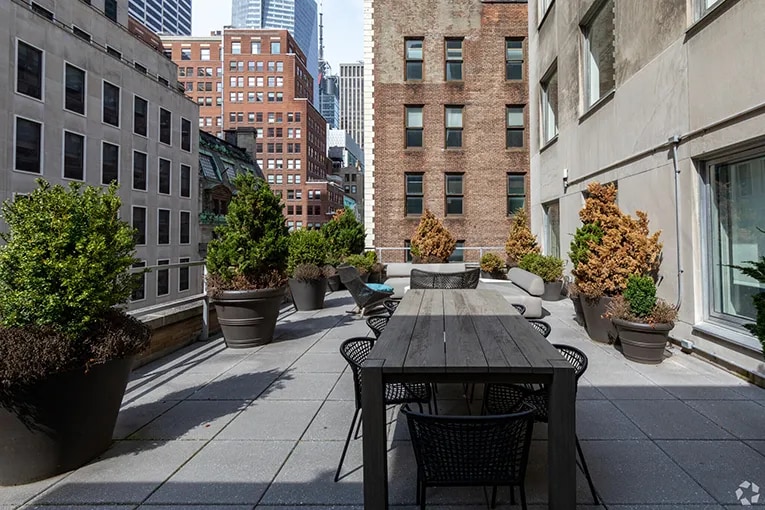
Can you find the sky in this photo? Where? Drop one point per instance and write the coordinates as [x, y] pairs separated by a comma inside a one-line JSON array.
[[343, 26]]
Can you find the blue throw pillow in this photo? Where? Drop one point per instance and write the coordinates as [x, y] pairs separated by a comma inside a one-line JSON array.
[[380, 287]]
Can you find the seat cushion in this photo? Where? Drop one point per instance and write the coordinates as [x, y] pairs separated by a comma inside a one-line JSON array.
[[529, 282], [380, 287]]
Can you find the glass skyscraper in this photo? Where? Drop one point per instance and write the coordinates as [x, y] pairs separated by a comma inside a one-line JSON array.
[[170, 17], [300, 17]]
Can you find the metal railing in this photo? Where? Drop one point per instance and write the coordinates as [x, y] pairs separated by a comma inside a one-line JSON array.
[[466, 250]]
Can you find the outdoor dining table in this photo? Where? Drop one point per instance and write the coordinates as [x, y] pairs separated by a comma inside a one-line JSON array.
[[466, 336]]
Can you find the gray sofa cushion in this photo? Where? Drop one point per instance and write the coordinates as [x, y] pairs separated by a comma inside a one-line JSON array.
[[404, 269], [529, 282], [516, 296]]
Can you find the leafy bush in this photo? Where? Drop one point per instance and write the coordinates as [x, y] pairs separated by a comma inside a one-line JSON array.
[[548, 267], [641, 295], [63, 270], [362, 263], [306, 247], [639, 303], [307, 272], [756, 270], [252, 247], [432, 242], [492, 263], [584, 237], [344, 234], [520, 241]]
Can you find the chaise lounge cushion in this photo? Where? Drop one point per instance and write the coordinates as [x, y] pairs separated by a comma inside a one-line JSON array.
[[527, 281]]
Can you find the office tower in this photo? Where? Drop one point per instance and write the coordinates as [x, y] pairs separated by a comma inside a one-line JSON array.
[[98, 106], [259, 82], [171, 17], [447, 114], [352, 100], [300, 17], [329, 100]]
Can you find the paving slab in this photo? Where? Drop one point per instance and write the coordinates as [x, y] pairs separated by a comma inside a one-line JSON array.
[[225, 472], [133, 417], [302, 387], [744, 419], [331, 422], [272, 420], [601, 419], [13, 496], [237, 385], [320, 362], [677, 420], [344, 389], [192, 420]]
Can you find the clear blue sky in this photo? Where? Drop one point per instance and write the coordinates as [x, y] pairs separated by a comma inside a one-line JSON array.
[[343, 26]]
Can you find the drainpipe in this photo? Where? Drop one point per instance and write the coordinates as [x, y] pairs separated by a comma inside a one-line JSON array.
[[675, 141]]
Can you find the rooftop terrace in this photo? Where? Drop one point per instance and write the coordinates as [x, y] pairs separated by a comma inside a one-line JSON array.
[[210, 427]]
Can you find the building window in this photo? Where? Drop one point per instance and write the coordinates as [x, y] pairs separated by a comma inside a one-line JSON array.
[[599, 54], [165, 126], [413, 59], [736, 207], [185, 181], [111, 104], [414, 126], [110, 9], [139, 224], [414, 194], [140, 170], [458, 255], [163, 226], [255, 47], [28, 153], [110, 163], [704, 6], [276, 48], [74, 156], [552, 228], [453, 126], [204, 54], [29, 71], [81, 33], [186, 135], [183, 275], [515, 130], [163, 186], [513, 59], [185, 228], [114, 52], [454, 194], [139, 289], [185, 53], [236, 48], [42, 11], [163, 278], [453, 55], [74, 93], [140, 116], [549, 106], [516, 193]]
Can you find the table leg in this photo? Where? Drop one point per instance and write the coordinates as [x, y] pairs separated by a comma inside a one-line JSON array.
[[375, 448], [561, 442]]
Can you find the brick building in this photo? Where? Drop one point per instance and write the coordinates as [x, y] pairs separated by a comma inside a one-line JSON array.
[[446, 130], [260, 82]]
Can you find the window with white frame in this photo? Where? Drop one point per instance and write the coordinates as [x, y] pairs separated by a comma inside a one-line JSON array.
[[183, 275], [598, 54], [163, 278], [139, 289], [184, 229], [139, 224], [140, 170], [704, 6], [74, 156], [74, 89], [163, 226], [236, 48], [549, 106], [204, 53], [28, 146], [163, 176], [110, 163], [29, 70], [414, 125], [453, 126]]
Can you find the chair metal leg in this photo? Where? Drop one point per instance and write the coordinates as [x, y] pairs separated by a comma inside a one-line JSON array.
[[512, 495], [358, 427], [494, 496], [586, 471], [523, 496], [422, 495], [347, 442], [420, 406]]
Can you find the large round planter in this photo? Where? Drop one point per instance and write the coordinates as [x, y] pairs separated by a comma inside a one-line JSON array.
[[308, 294], [598, 327], [643, 343], [334, 283], [60, 423], [498, 275], [552, 291], [248, 317]]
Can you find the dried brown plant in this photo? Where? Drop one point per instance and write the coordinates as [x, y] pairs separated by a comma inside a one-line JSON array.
[[521, 241]]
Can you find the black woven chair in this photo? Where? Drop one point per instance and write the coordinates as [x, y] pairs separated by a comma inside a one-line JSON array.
[[521, 309], [541, 326], [391, 305], [508, 398], [377, 324], [355, 351], [471, 451], [366, 298], [419, 279]]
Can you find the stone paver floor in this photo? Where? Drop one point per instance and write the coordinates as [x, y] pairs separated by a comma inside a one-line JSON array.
[[214, 428]]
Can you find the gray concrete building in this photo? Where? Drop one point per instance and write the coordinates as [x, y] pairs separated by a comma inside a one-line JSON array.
[[352, 100], [663, 98], [83, 100]]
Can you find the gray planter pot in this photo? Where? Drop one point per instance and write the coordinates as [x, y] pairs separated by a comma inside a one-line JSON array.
[[598, 327], [578, 311], [308, 294], [248, 317], [643, 343], [334, 283], [553, 291], [499, 275], [60, 423], [364, 277]]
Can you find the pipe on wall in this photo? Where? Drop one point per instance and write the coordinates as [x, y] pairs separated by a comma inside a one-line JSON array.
[[675, 141]]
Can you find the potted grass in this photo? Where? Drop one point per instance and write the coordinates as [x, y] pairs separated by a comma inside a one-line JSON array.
[[642, 321], [247, 264], [492, 266], [307, 280], [550, 269], [66, 345]]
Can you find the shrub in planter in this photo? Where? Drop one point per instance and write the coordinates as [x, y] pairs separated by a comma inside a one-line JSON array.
[[550, 269], [432, 242], [333, 279], [756, 270], [308, 283], [66, 348], [493, 266], [520, 241], [642, 321], [247, 264], [344, 234], [362, 263]]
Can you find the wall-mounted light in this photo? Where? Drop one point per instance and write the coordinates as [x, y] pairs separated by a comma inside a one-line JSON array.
[[565, 179]]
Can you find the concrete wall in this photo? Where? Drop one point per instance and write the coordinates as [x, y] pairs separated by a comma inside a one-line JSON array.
[[675, 75]]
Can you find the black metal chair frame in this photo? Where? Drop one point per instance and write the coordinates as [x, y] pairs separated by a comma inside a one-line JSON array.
[[458, 451], [355, 351], [541, 326], [377, 324], [391, 305], [419, 279], [505, 398], [521, 309], [365, 297]]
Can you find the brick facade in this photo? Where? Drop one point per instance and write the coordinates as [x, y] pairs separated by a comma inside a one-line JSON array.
[[484, 94]]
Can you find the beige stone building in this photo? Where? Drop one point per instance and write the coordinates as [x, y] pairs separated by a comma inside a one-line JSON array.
[[665, 99]]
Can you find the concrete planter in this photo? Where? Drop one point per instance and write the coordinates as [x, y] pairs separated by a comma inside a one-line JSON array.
[[553, 291], [598, 327], [643, 343], [308, 294], [248, 317]]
